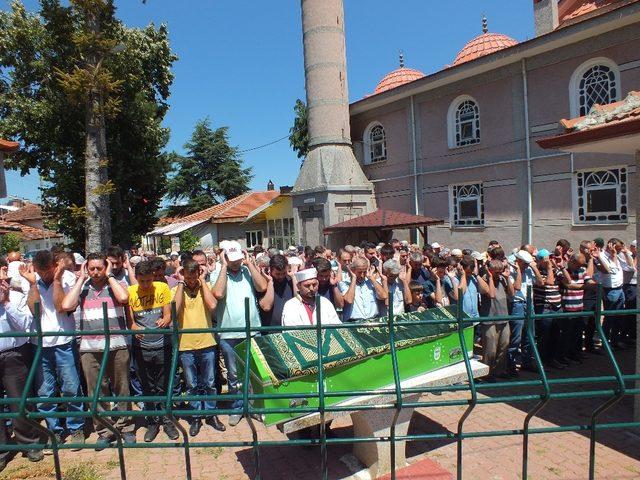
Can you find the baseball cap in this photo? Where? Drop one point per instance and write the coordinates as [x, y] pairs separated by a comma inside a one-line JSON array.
[[543, 252], [524, 256], [174, 254], [435, 245], [78, 259], [233, 251], [478, 256], [456, 252]]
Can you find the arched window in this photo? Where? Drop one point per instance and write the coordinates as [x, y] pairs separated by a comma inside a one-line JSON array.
[[594, 82], [375, 144], [463, 122]]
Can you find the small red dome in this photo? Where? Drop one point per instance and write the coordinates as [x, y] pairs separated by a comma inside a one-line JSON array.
[[483, 45], [396, 78]]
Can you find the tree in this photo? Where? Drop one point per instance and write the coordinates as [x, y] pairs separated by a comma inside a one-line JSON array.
[[11, 242], [299, 133], [189, 241], [48, 77], [210, 173]]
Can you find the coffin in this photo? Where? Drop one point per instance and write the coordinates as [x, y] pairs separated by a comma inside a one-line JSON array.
[[354, 359]]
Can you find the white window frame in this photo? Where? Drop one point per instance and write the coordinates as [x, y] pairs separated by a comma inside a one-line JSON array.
[[454, 206], [280, 241], [622, 195], [452, 122], [253, 235], [578, 74], [369, 144]]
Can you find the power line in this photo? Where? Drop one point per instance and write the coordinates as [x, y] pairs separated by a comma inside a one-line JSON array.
[[263, 146]]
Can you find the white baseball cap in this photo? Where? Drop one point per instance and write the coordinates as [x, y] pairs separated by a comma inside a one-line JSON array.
[[436, 245], [456, 252], [233, 251]]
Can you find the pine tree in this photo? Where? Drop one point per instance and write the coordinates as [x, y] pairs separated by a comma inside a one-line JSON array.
[[299, 132]]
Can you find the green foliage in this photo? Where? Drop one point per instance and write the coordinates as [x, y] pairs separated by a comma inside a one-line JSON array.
[[43, 81], [189, 241], [299, 133], [11, 242], [209, 174]]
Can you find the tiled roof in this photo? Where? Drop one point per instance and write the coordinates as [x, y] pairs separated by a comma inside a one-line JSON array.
[[26, 232], [383, 220], [8, 146], [396, 78], [483, 45], [574, 11], [238, 207], [31, 211]]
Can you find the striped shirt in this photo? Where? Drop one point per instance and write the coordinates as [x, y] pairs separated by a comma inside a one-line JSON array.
[[572, 299], [546, 296], [91, 318]]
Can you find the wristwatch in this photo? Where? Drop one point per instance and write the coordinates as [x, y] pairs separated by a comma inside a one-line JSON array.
[[111, 275]]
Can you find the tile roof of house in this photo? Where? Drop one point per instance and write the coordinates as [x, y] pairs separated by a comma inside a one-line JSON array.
[[238, 207], [8, 146], [26, 232], [574, 11], [383, 220], [30, 211]]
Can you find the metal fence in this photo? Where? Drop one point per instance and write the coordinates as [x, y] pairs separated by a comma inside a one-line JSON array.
[[622, 385]]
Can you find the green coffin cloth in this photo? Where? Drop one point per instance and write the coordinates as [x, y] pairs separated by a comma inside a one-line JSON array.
[[294, 354]]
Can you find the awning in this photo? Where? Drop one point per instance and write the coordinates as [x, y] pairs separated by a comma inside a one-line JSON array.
[[382, 220], [260, 209], [174, 228]]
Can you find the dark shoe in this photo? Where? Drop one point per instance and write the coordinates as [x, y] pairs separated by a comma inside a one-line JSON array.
[[152, 432], [555, 364], [77, 437], [34, 455], [104, 441], [129, 437], [215, 422], [195, 427], [171, 431]]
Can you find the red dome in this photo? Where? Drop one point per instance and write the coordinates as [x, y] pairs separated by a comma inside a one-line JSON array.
[[396, 78], [483, 45]]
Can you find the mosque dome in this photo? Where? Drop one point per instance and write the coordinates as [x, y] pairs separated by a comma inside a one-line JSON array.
[[398, 77], [483, 45]]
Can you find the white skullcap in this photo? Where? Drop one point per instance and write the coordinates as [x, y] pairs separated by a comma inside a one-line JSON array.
[[456, 252], [307, 274], [12, 271], [78, 259], [435, 245], [294, 261], [524, 256]]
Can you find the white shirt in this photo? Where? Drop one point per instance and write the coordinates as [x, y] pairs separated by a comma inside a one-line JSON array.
[[294, 313], [628, 270], [52, 320], [14, 318], [614, 278], [396, 293]]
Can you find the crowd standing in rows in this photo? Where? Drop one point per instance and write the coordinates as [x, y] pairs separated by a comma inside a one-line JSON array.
[[209, 290]]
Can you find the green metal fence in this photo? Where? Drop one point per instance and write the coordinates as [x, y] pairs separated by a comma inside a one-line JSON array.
[[622, 385]]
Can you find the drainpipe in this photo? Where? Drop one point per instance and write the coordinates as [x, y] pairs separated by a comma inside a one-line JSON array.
[[414, 152], [527, 136]]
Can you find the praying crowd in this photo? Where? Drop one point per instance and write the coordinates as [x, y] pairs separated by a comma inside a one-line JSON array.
[[135, 290]]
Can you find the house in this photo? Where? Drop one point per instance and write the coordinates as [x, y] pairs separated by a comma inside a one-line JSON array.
[[254, 218], [461, 143], [27, 221]]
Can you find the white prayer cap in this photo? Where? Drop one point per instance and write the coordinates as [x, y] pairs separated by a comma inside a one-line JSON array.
[[634, 243], [293, 248], [435, 245], [136, 259], [307, 274], [174, 254], [456, 252], [12, 271], [294, 260], [233, 251], [78, 259], [524, 256]]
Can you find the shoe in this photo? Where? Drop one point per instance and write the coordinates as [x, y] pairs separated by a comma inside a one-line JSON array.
[[555, 364], [129, 437], [234, 420], [171, 431], [104, 441], [152, 432], [78, 438], [195, 427], [34, 455], [214, 421], [49, 445]]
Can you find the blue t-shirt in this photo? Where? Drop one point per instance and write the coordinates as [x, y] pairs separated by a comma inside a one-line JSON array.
[[469, 298]]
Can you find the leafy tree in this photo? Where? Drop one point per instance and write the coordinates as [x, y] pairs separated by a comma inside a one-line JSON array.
[[210, 173], [189, 241], [299, 133], [67, 90], [11, 242]]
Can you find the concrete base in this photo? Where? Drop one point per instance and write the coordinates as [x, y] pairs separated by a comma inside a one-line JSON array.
[[376, 456]]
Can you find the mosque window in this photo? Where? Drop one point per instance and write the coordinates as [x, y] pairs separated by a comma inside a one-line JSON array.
[[594, 82], [467, 205], [600, 196], [463, 122], [375, 140]]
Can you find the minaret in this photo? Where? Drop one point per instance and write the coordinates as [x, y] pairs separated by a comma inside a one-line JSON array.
[[331, 186]]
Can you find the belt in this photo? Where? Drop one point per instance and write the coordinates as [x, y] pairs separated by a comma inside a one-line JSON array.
[[608, 289]]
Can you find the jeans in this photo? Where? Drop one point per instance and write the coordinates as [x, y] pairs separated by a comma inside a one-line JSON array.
[[229, 355], [154, 364], [629, 327], [548, 331], [518, 339], [59, 372], [613, 300], [135, 386], [199, 371]]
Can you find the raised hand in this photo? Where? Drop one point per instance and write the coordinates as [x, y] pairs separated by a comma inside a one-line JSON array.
[[334, 280], [59, 271], [27, 273], [109, 267]]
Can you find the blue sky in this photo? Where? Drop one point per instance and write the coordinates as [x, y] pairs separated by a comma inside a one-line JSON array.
[[241, 62]]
